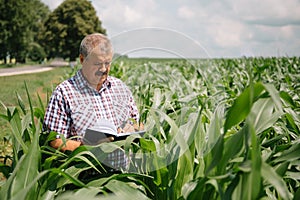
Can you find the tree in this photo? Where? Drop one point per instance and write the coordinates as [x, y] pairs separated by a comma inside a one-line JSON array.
[[19, 24], [4, 33], [67, 25], [36, 52]]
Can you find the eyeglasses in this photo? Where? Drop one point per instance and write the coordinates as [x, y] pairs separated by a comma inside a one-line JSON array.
[[103, 64]]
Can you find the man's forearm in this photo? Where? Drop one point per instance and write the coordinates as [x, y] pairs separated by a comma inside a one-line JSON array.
[[70, 145]]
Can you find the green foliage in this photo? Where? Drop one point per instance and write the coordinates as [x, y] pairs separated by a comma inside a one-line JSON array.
[[66, 27], [216, 129], [19, 22], [36, 53]]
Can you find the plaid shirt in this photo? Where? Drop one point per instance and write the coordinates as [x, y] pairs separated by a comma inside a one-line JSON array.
[[75, 106]]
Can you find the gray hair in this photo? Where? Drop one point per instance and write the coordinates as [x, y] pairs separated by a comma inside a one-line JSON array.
[[95, 40]]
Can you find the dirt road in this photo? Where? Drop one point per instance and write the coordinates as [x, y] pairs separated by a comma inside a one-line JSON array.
[[31, 69]]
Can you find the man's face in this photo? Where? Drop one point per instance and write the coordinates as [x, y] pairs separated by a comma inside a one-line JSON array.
[[95, 67]]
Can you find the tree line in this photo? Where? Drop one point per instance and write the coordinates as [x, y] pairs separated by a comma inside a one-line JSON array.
[[30, 30]]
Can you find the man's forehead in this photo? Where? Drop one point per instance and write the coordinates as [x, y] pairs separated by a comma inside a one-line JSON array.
[[97, 53], [101, 52]]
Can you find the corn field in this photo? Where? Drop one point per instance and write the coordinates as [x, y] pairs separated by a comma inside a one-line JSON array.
[[216, 129]]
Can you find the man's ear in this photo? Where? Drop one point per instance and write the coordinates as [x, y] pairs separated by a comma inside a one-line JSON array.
[[81, 57]]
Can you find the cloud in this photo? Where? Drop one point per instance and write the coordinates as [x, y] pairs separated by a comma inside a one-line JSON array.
[[186, 12], [157, 41], [268, 12], [226, 28], [118, 15]]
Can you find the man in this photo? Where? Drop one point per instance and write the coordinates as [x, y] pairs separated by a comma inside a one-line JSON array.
[[90, 95]]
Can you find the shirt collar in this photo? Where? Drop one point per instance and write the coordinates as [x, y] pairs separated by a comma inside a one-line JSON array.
[[106, 84]]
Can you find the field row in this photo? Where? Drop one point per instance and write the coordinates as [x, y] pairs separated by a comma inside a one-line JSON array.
[[216, 129]]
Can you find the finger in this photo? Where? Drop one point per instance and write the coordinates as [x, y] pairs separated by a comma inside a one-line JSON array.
[[108, 139], [120, 130], [141, 126], [111, 139], [136, 127], [128, 128]]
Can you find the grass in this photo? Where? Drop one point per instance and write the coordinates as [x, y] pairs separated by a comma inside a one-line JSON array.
[[3, 66], [13, 65], [38, 83]]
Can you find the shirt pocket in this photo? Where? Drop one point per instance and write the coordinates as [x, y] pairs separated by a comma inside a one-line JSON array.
[[121, 110], [83, 117]]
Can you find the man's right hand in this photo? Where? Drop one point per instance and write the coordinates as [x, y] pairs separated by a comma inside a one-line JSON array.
[[70, 145]]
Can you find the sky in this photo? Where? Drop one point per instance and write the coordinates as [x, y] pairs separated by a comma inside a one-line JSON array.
[[200, 28]]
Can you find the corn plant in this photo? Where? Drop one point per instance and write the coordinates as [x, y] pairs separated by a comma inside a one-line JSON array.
[[216, 129]]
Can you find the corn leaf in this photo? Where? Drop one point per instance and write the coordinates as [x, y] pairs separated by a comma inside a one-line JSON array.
[[16, 126], [274, 95], [288, 99], [242, 106], [254, 183], [31, 107], [269, 174], [21, 103], [291, 154], [125, 190], [81, 194], [73, 171], [24, 175], [263, 115], [237, 141]]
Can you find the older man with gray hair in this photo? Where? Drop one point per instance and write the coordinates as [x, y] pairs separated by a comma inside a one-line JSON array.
[[90, 95]]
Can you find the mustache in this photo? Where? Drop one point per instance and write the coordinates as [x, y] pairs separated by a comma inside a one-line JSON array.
[[99, 73]]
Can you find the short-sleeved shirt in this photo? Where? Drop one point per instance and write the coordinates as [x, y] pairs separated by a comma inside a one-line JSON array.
[[75, 106]]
